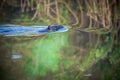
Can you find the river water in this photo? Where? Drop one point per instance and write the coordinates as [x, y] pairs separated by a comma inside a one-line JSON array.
[[70, 55]]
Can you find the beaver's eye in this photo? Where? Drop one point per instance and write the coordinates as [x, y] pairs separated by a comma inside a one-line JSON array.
[[49, 28]]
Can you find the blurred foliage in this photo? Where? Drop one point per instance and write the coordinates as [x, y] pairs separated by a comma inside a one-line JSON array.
[[96, 53], [98, 16], [115, 56], [113, 71], [70, 13], [118, 12]]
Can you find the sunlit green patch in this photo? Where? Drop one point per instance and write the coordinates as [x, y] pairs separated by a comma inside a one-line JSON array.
[[45, 54]]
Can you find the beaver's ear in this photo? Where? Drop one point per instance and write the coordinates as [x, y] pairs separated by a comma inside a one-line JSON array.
[[49, 27]]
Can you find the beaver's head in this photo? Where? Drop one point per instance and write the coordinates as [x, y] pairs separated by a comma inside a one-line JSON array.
[[54, 27]]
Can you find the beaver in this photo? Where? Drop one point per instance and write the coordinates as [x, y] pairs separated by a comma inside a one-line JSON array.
[[16, 30], [53, 28]]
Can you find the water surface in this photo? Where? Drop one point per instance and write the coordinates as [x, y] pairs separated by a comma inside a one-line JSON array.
[[52, 56]]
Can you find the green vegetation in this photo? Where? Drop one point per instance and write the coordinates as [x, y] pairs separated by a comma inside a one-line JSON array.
[[95, 53], [118, 12], [112, 72], [115, 56], [70, 13]]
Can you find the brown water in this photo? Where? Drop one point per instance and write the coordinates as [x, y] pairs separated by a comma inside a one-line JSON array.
[[64, 56]]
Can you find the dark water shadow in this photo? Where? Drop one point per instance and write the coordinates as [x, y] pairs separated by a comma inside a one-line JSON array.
[[11, 68]]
